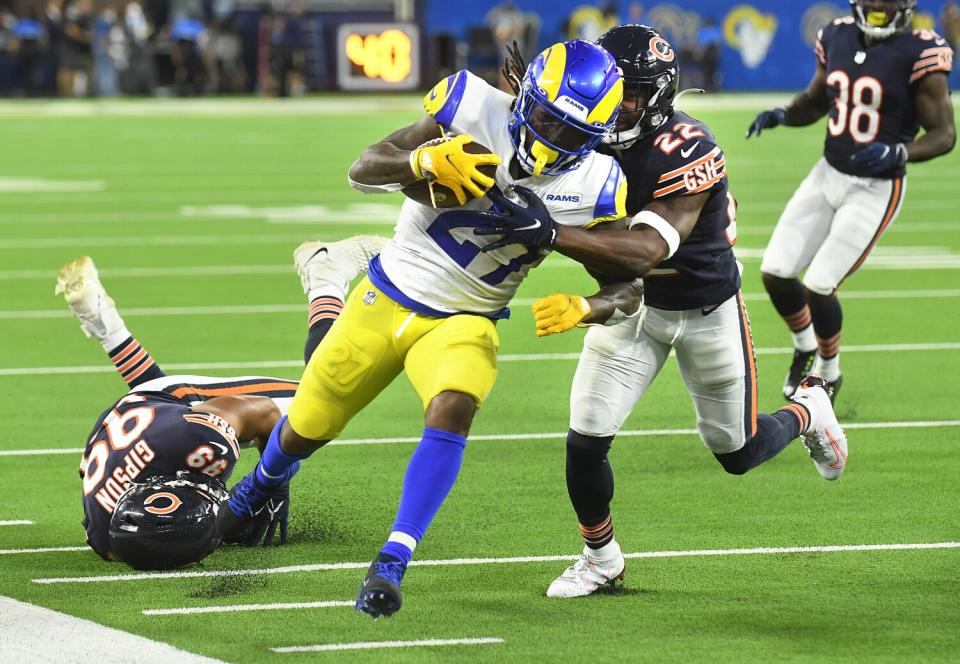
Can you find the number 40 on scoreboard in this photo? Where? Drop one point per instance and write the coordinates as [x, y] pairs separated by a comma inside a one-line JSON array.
[[378, 56]]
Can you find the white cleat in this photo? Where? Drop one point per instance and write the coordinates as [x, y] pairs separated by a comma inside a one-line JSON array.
[[79, 283], [587, 576], [321, 264], [824, 439]]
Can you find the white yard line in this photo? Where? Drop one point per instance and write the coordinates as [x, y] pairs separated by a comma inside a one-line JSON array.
[[31, 634], [16, 522], [376, 645], [47, 549], [520, 357], [555, 435], [324, 567], [233, 608], [149, 241], [47, 186]]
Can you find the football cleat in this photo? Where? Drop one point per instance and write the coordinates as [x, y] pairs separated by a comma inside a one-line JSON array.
[[247, 498], [380, 591], [587, 576], [800, 367], [833, 387], [325, 264], [80, 285], [824, 439]]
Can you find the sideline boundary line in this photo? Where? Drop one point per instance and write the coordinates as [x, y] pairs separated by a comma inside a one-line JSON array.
[[324, 567]]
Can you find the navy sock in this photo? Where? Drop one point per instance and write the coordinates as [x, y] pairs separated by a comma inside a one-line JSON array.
[[276, 467], [774, 432], [432, 470], [134, 363], [827, 322], [323, 312]]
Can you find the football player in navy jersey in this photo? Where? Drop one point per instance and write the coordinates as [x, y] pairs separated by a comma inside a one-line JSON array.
[[174, 440], [682, 227], [879, 82]]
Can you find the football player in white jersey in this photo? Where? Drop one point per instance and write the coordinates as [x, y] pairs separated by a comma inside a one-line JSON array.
[[431, 299]]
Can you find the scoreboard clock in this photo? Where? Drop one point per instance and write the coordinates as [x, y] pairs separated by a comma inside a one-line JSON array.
[[378, 56]]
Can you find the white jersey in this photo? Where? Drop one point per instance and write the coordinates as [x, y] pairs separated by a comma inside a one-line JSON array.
[[434, 264]]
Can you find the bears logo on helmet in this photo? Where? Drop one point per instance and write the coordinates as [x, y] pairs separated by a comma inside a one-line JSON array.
[[167, 521], [650, 72]]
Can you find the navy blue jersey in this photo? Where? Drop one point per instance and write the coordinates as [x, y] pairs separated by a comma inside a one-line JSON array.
[[680, 159], [871, 88], [145, 434]]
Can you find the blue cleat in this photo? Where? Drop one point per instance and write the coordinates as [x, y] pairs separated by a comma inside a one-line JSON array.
[[380, 591]]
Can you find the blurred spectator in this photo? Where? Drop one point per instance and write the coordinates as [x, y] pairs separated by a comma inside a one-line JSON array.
[[53, 21], [950, 20], [706, 54], [28, 46], [109, 47], [75, 60], [286, 53], [589, 22], [189, 54], [507, 24], [226, 49], [138, 77]]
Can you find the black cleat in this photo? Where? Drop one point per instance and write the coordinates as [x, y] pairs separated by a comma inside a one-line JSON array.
[[380, 591], [800, 367], [833, 387]]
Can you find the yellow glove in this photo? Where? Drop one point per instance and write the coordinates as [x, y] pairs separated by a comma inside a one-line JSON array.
[[444, 161], [559, 312]]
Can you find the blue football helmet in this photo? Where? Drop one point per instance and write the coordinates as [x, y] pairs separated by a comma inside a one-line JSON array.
[[568, 103]]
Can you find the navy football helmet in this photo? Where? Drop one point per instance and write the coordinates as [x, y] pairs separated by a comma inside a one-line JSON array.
[[567, 104], [651, 72], [167, 521], [880, 19]]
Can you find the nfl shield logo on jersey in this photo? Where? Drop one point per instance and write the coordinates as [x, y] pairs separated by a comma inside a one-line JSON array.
[[369, 297]]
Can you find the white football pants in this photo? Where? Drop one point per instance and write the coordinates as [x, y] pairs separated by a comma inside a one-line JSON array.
[[714, 352], [830, 226]]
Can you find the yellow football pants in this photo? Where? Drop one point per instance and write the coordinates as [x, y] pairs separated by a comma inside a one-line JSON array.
[[375, 338]]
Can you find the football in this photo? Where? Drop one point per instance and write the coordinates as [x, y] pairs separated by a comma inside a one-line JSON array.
[[437, 195]]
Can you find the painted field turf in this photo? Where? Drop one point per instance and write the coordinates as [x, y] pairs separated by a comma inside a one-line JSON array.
[[201, 210]]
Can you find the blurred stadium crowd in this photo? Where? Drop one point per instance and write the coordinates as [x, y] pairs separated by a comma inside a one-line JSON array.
[[105, 48], [74, 48]]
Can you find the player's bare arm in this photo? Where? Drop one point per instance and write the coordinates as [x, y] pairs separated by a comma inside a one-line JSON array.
[[654, 235], [388, 162], [252, 417], [805, 109], [421, 152], [641, 248], [935, 112], [614, 302]]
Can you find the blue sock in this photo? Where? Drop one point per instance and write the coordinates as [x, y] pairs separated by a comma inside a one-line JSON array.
[[276, 467], [432, 470]]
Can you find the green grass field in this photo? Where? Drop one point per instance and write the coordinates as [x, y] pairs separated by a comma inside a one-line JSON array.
[[192, 217]]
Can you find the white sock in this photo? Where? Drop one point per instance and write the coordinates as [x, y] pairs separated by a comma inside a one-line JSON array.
[[329, 289], [805, 340], [111, 341], [608, 551], [829, 370]]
